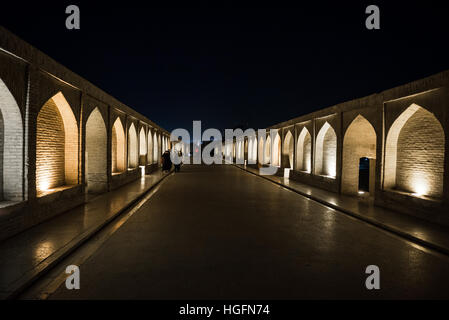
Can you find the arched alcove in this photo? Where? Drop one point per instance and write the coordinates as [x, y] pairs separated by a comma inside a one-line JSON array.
[[250, 149], [150, 148], [96, 153], [326, 152], [304, 151], [142, 147], [414, 153], [276, 160], [118, 147], [254, 150], [56, 145], [267, 156], [359, 144], [260, 154], [11, 147], [132, 147], [287, 150], [155, 149]]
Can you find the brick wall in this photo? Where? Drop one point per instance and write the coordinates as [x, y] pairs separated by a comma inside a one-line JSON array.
[[50, 148], [420, 155], [2, 133]]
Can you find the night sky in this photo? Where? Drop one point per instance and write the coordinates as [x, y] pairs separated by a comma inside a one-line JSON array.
[[231, 66]]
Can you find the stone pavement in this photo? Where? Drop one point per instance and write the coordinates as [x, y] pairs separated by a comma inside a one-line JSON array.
[[417, 230], [28, 255]]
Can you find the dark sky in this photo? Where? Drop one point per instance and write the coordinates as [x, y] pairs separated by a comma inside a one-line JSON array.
[[258, 65]]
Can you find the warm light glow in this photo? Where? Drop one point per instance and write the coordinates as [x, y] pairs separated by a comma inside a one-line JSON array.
[[44, 185], [142, 170], [420, 185], [361, 192]]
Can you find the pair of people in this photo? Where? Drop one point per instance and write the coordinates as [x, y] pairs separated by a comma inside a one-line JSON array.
[[167, 163]]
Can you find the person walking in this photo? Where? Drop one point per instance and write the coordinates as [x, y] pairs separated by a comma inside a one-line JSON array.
[[166, 161], [178, 166]]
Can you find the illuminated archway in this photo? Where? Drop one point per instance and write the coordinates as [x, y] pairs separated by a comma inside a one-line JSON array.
[[96, 152], [287, 150], [150, 148], [414, 153], [118, 147], [250, 149], [11, 144], [142, 147], [304, 151], [260, 154], [276, 160], [267, 157], [155, 149], [56, 145], [359, 142], [326, 152], [132, 147], [254, 150]]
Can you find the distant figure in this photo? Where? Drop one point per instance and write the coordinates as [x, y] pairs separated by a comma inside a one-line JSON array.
[[166, 161], [178, 166]]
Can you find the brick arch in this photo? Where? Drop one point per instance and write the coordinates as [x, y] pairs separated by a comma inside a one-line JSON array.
[[11, 147], [250, 149], [254, 150], [142, 147], [155, 148], [56, 145], [118, 146], [326, 152], [276, 153], [414, 153], [267, 151], [359, 142], [304, 151], [287, 150], [96, 152], [260, 153], [150, 147], [133, 153]]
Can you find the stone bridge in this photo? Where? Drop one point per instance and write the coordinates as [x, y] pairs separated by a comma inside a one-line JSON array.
[[62, 138]]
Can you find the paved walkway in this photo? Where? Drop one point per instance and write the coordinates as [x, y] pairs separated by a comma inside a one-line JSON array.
[[217, 232], [27, 255], [423, 232]]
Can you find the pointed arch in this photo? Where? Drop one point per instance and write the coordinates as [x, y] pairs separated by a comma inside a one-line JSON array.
[[359, 142], [132, 147], [56, 145], [326, 152], [267, 156], [287, 150], [414, 153], [261, 153], [254, 150], [276, 153], [155, 148], [150, 148], [304, 151], [11, 144], [118, 147], [96, 152], [142, 147]]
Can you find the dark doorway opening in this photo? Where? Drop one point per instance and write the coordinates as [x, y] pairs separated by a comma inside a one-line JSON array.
[[364, 175]]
